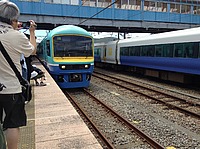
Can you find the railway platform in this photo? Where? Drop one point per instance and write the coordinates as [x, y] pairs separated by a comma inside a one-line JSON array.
[[52, 122]]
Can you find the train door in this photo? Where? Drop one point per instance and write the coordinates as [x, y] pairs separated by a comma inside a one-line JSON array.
[[111, 52]]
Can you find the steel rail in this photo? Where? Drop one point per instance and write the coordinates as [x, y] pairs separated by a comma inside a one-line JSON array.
[[148, 139], [153, 98], [102, 137]]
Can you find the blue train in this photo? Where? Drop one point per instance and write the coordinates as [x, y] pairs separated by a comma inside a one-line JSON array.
[[68, 54], [173, 56]]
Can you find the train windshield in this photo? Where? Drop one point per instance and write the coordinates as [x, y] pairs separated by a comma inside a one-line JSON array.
[[72, 46]]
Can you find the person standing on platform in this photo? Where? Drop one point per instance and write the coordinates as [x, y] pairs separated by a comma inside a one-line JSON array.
[[24, 67], [16, 44]]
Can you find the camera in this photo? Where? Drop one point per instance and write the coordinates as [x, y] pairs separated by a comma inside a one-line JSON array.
[[2, 86], [26, 25]]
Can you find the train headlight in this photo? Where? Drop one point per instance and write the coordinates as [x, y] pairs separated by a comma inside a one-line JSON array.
[[86, 66], [63, 67]]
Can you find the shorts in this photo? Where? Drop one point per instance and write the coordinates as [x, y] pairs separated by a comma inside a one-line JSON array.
[[14, 108]]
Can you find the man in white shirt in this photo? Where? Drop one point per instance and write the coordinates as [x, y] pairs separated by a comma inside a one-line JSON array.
[[16, 44]]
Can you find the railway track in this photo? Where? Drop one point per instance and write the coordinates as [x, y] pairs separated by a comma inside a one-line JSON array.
[[115, 131], [182, 104]]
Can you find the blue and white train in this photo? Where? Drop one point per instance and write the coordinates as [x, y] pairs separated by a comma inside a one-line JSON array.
[[173, 56], [68, 54]]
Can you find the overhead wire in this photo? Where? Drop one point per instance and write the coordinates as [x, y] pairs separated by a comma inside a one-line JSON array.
[[76, 9], [99, 12]]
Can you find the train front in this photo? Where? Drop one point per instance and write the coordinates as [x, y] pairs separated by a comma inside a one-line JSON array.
[[73, 59]]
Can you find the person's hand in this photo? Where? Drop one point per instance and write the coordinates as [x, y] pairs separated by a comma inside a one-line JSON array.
[[32, 26]]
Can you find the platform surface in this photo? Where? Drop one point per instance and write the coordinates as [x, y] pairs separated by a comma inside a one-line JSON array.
[[53, 123]]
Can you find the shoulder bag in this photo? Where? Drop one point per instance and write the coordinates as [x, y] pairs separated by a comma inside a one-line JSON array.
[[26, 87]]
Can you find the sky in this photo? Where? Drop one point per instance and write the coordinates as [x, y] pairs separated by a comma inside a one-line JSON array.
[[40, 34]]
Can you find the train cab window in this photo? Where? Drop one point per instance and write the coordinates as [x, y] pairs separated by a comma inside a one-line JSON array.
[[179, 51], [48, 47], [70, 46]]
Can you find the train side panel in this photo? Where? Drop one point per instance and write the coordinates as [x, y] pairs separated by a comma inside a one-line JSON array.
[[173, 56]]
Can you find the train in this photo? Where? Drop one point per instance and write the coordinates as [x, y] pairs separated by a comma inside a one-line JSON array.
[[171, 56], [67, 52]]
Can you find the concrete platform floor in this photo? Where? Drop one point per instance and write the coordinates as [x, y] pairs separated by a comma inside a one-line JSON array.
[[53, 123]]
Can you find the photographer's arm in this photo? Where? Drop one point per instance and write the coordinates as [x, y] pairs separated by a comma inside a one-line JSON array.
[[32, 35]]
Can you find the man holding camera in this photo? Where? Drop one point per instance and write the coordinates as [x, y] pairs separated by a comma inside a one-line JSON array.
[[16, 44]]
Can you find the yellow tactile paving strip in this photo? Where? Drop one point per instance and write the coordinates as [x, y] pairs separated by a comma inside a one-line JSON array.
[[27, 137]]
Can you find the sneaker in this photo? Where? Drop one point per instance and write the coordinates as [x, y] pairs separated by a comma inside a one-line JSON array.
[[42, 84], [37, 83], [33, 74]]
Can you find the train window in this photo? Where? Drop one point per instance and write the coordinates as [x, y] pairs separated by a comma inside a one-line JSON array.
[[144, 51], [168, 50], [148, 51], [40, 49], [132, 51], [124, 51], [159, 50], [175, 8], [97, 51], [137, 51], [151, 51], [70, 46], [196, 10], [161, 6], [48, 47], [185, 9], [188, 50], [179, 51], [195, 50]]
